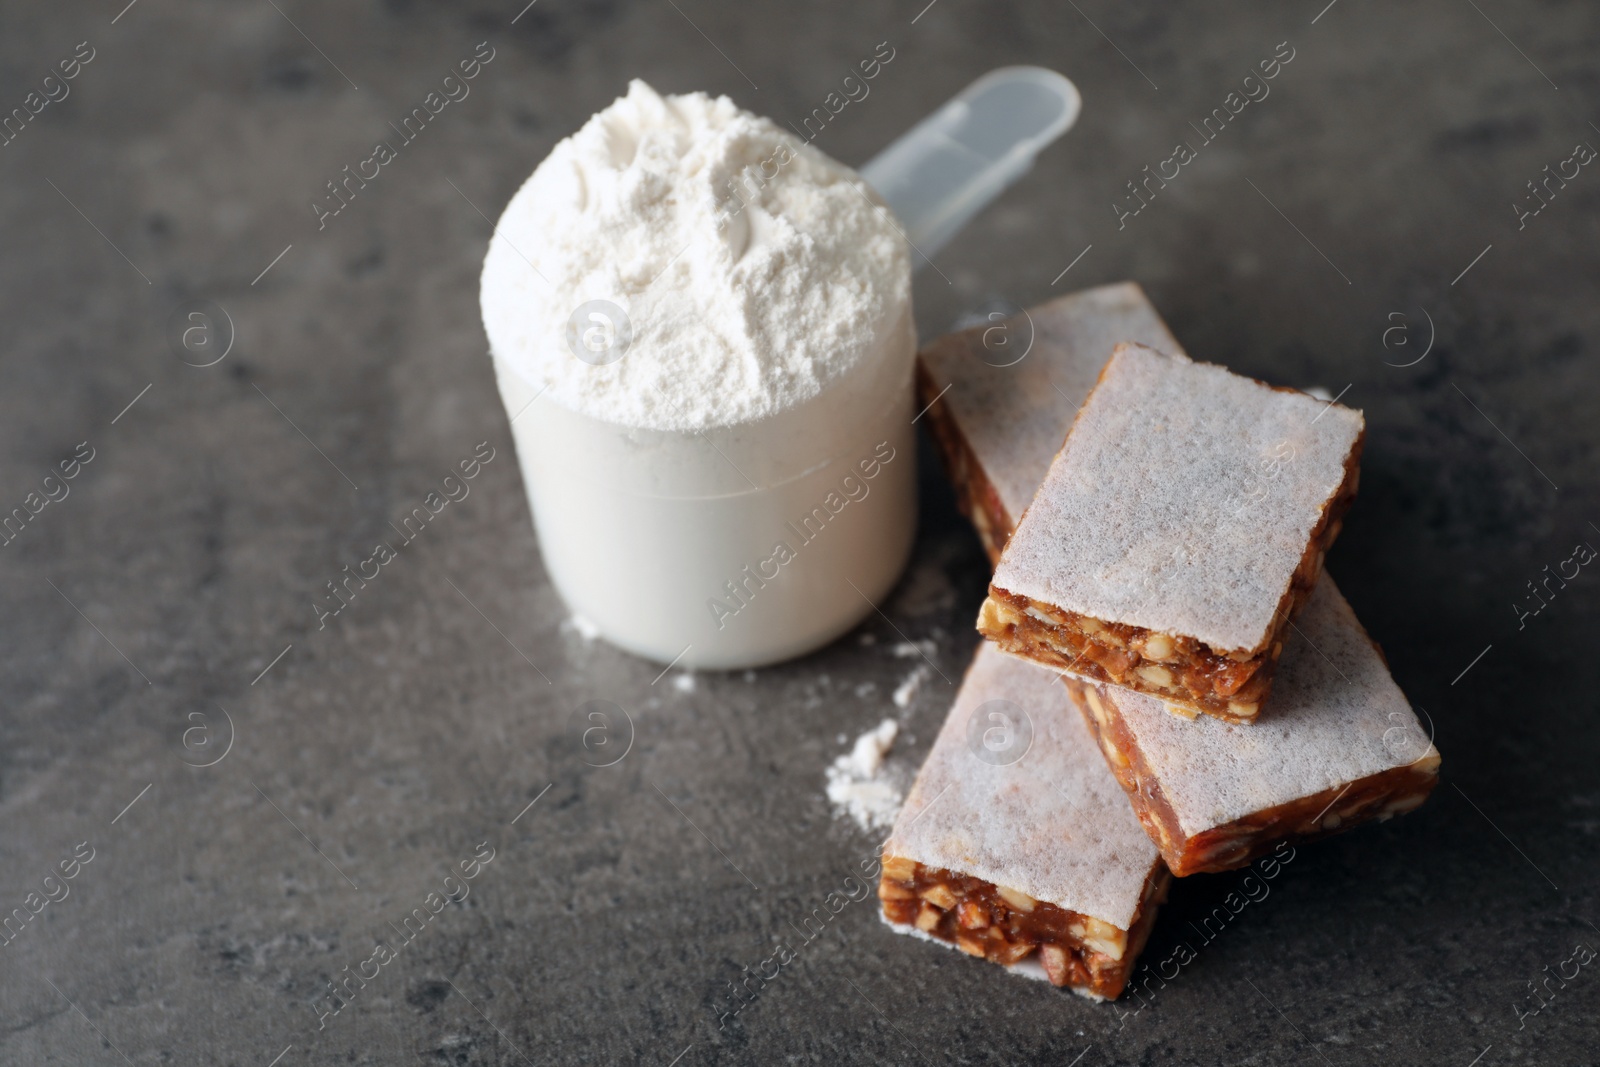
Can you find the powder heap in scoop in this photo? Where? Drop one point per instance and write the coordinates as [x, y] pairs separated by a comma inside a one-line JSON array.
[[752, 269]]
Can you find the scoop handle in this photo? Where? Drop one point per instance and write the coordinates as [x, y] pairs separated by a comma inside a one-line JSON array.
[[948, 167]]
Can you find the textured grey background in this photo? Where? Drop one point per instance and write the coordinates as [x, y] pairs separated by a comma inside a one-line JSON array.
[[387, 746]]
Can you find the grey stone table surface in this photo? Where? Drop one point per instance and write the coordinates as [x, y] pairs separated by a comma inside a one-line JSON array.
[[1357, 229]]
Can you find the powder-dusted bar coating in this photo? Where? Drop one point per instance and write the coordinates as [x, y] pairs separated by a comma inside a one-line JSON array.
[[1002, 396], [1179, 530], [1341, 747], [1036, 862]]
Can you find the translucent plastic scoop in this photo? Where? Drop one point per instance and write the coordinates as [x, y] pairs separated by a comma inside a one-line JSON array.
[[949, 166]]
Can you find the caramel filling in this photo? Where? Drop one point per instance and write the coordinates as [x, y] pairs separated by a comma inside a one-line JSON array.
[[1006, 926], [1234, 844], [975, 494]]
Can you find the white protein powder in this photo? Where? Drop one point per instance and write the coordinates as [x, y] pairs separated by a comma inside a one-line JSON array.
[[754, 270], [859, 785]]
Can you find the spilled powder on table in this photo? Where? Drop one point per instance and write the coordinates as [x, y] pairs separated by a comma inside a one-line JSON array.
[[581, 626], [860, 784], [907, 689]]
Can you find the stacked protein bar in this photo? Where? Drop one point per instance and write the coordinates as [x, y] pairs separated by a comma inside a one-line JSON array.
[[1165, 563]]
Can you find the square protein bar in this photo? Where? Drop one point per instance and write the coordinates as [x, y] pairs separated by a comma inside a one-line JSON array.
[[1178, 531], [1016, 844], [1341, 747], [1001, 397]]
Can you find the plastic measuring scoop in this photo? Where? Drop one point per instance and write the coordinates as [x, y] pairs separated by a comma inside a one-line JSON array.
[[754, 542], [949, 166]]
